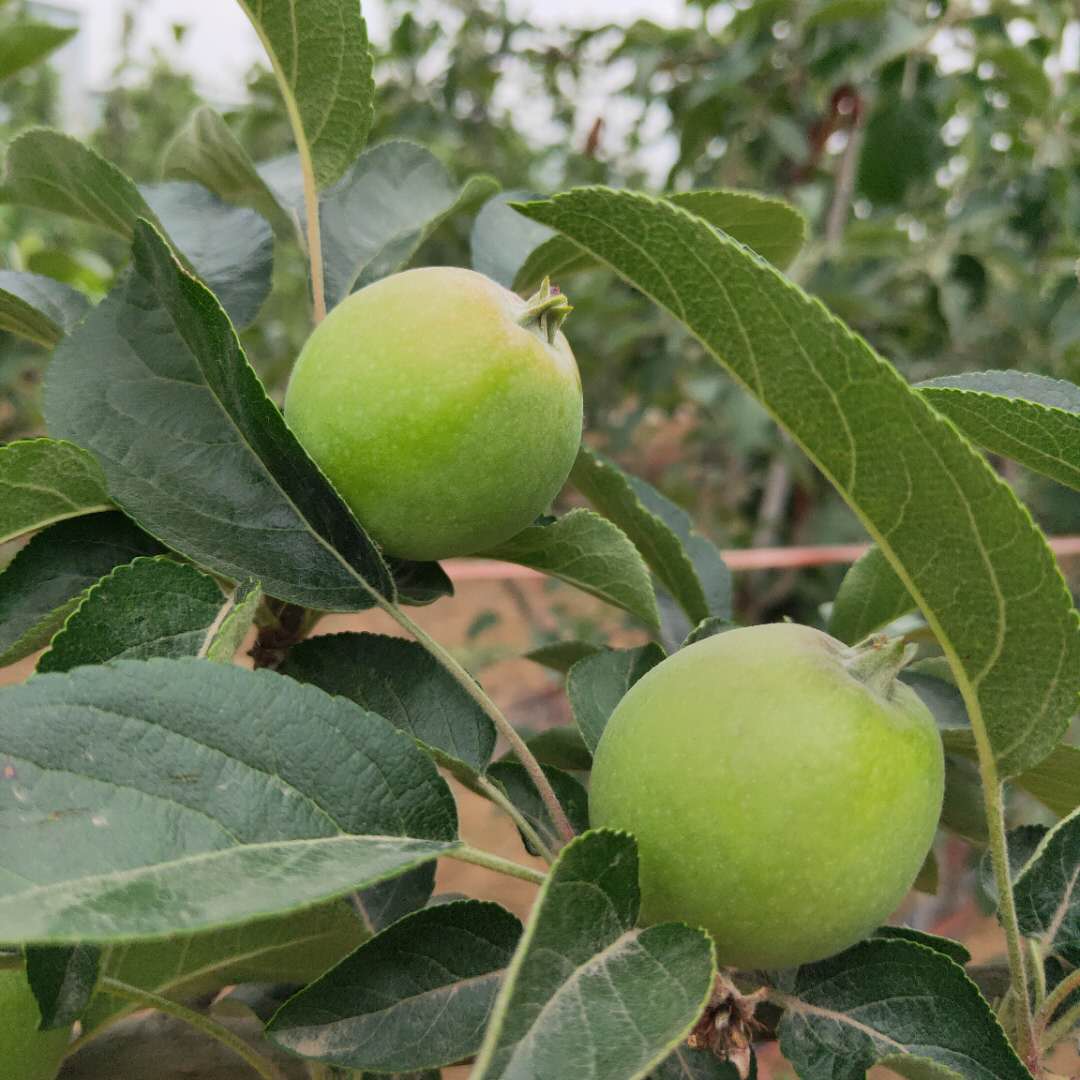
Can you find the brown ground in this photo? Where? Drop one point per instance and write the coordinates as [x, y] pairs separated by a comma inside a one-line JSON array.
[[532, 697]]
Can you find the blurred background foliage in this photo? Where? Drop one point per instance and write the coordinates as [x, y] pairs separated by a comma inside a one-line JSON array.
[[929, 145]]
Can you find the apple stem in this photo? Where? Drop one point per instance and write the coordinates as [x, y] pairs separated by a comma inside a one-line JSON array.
[[877, 661], [547, 308]]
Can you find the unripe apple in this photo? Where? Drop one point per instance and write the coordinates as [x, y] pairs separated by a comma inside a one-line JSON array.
[[444, 408], [783, 788], [25, 1052]]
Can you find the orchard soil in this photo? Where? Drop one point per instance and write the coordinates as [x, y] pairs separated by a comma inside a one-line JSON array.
[[488, 626]]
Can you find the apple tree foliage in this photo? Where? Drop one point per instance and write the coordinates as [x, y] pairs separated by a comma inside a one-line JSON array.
[[175, 823]]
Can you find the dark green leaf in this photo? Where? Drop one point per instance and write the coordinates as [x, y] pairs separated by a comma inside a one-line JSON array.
[[385, 903], [401, 681], [952, 949], [416, 996], [892, 1003], [598, 683], [205, 151], [43, 481], [521, 791], [162, 797], [420, 583], [1030, 418], [1047, 892], [1023, 842], [63, 979], [589, 552], [296, 948], [157, 363], [39, 308], [320, 55], [585, 976], [964, 808], [562, 747], [687, 1064], [871, 596], [901, 147], [234, 622], [710, 627], [562, 655], [25, 43], [692, 573], [1011, 633], [43, 583], [391, 200], [150, 607], [230, 247]]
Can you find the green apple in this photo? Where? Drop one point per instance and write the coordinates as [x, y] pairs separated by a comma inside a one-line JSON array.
[[444, 408], [25, 1052], [783, 788]]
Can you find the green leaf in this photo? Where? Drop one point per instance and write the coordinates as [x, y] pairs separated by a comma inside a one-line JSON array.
[[43, 481], [710, 627], [1047, 892], [584, 975], [42, 585], [39, 308], [150, 607], [63, 979], [234, 622], [562, 747], [589, 552], [417, 996], [381, 905], [1055, 781], [687, 1064], [870, 596], [1022, 843], [402, 682], [157, 364], [521, 791], [205, 151], [40, 1053], [291, 948], [230, 247], [1030, 418], [952, 949], [518, 253], [49, 170], [1011, 634], [320, 55], [598, 683], [193, 809], [686, 564], [419, 583], [892, 1003], [901, 146], [562, 655], [375, 219], [26, 43]]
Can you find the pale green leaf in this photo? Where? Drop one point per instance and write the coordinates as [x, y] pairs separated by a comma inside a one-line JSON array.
[[598, 683], [234, 622], [870, 596], [27, 43]]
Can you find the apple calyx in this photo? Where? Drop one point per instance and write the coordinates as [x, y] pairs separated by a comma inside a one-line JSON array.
[[878, 660], [728, 1027], [547, 308]]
